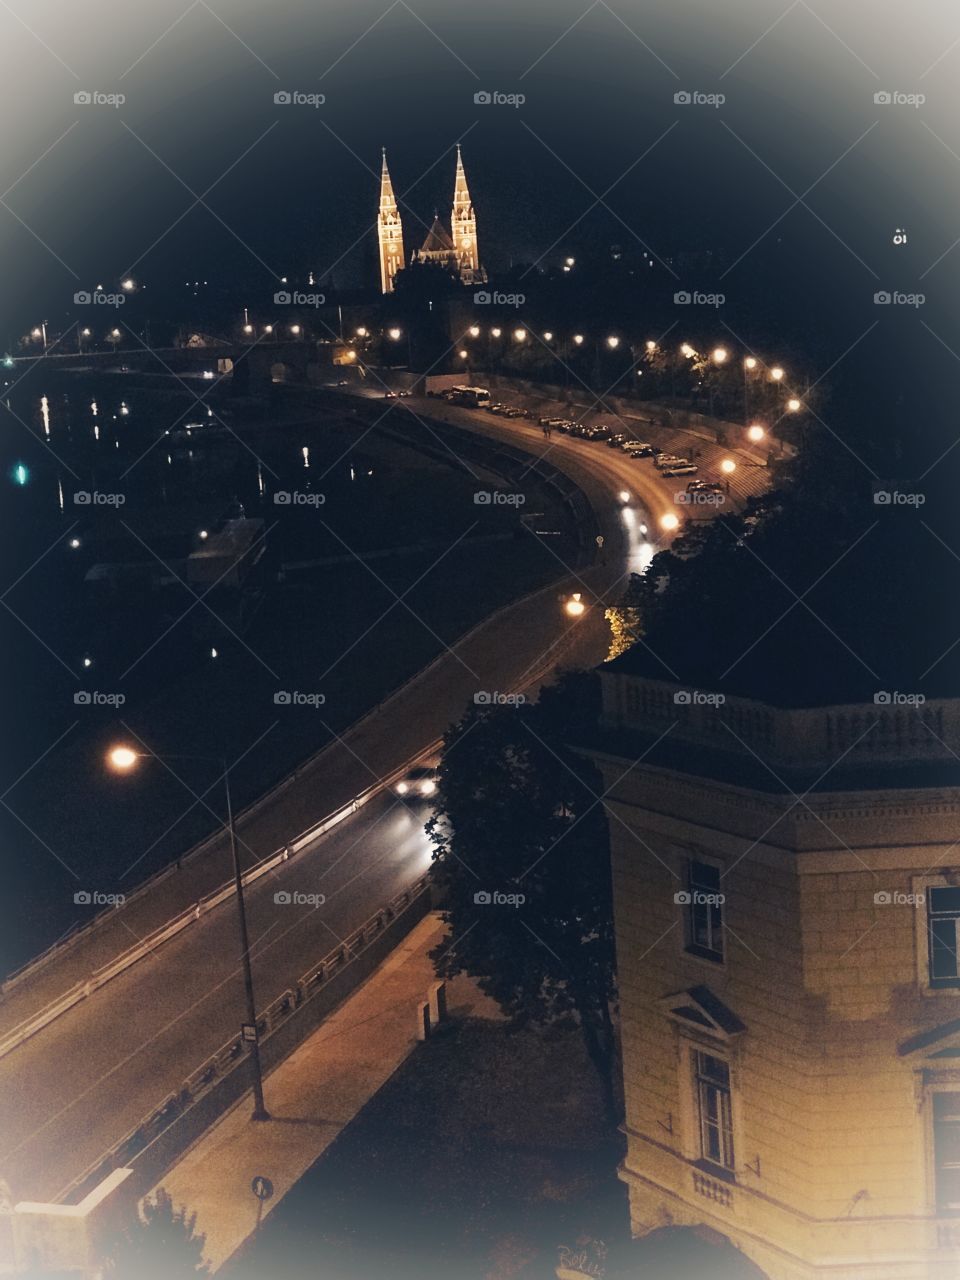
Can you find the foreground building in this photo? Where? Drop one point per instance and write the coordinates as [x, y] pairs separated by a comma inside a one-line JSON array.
[[787, 902]]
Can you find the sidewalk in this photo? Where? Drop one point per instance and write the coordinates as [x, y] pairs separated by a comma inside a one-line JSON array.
[[312, 1097]]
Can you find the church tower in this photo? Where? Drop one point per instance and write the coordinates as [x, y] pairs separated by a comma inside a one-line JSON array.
[[389, 231], [463, 229]]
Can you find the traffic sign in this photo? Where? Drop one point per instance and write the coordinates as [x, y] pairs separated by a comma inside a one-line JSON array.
[[261, 1187], [248, 1031]]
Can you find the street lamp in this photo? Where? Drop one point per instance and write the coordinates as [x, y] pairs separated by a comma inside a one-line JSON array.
[[728, 466], [548, 336], [755, 433], [776, 373], [495, 333], [520, 334], [794, 405], [474, 331], [670, 522], [720, 355], [687, 350], [578, 339], [574, 607], [128, 285], [651, 345], [750, 362], [295, 330], [463, 353], [394, 334], [123, 759], [248, 328], [613, 342]]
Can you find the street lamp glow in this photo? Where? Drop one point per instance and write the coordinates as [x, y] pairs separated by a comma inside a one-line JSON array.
[[574, 607], [687, 350], [728, 466], [463, 353], [750, 362], [74, 544], [248, 328], [651, 345], [613, 342], [495, 333], [203, 535], [35, 333], [295, 329], [569, 262], [114, 333], [720, 355], [669, 522], [394, 334], [520, 334], [548, 336], [624, 495], [128, 285], [755, 433], [268, 328], [578, 339], [474, 331], [122, 758], [793, 404], [361, 332], [776, 373]]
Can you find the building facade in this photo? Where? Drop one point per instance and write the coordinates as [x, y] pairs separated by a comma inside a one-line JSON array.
[[787, 907], [456, 250]]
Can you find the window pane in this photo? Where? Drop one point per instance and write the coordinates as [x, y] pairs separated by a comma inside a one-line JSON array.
[[943, 947], [945, 900]]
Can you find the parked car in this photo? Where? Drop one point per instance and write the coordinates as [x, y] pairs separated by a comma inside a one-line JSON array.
[[511, 411], [599, 433], [667, 460], [641, 448], [616, 440], [682, 468], [705, 486]]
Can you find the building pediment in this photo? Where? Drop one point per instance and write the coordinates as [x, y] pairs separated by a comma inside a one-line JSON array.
[[941, 1043], [698, 1009]]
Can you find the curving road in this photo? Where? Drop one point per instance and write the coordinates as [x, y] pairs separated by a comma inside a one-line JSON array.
[[77, 1087]]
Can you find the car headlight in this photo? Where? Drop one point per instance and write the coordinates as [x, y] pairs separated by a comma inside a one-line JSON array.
[[402, 788], [428, 787]]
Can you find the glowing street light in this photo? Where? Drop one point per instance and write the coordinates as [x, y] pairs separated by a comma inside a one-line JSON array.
[[776, 373], [361, 332], [548, 336], [670, 522], [687, 350], [295, 329], [520, 334], [750, 362], [624, 495], [495, 333], [578, 339], [569, 262], [248, 328], [794, 405], [394, 334], [728, 466], [123, 759], [128, 285], [474, 331], [720, 355], [268, 328], [651, 345], [613, 342], [463, 353], [574, 607], [755, 433]]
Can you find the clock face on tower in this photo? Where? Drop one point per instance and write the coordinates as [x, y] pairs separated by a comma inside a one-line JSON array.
[[465, 242]]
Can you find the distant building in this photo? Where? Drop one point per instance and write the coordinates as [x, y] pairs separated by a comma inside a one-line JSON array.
[[787, 907], [455, 250]]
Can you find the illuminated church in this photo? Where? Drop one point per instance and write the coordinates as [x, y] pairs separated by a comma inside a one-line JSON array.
[[454, 250]]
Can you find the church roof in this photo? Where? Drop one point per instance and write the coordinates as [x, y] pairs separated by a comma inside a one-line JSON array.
[[438, 239]]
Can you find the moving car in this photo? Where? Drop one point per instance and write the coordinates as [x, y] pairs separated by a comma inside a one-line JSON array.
[[705, 486], [418, 783]]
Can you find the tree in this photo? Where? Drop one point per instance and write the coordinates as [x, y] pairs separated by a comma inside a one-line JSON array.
[[521, 858], [162, 1244]]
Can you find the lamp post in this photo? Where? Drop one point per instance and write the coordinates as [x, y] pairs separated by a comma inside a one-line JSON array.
[[123, 759]]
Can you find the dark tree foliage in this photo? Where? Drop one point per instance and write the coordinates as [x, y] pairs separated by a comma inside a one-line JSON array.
[[162, 1245], [520, 814], [817, 592]]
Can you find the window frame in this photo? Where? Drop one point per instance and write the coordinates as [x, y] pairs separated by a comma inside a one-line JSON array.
[[690, 1047], [714, 956], [928, 985]]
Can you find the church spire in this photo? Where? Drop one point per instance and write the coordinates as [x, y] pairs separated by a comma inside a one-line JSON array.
[[463, 226], [389, 231]]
